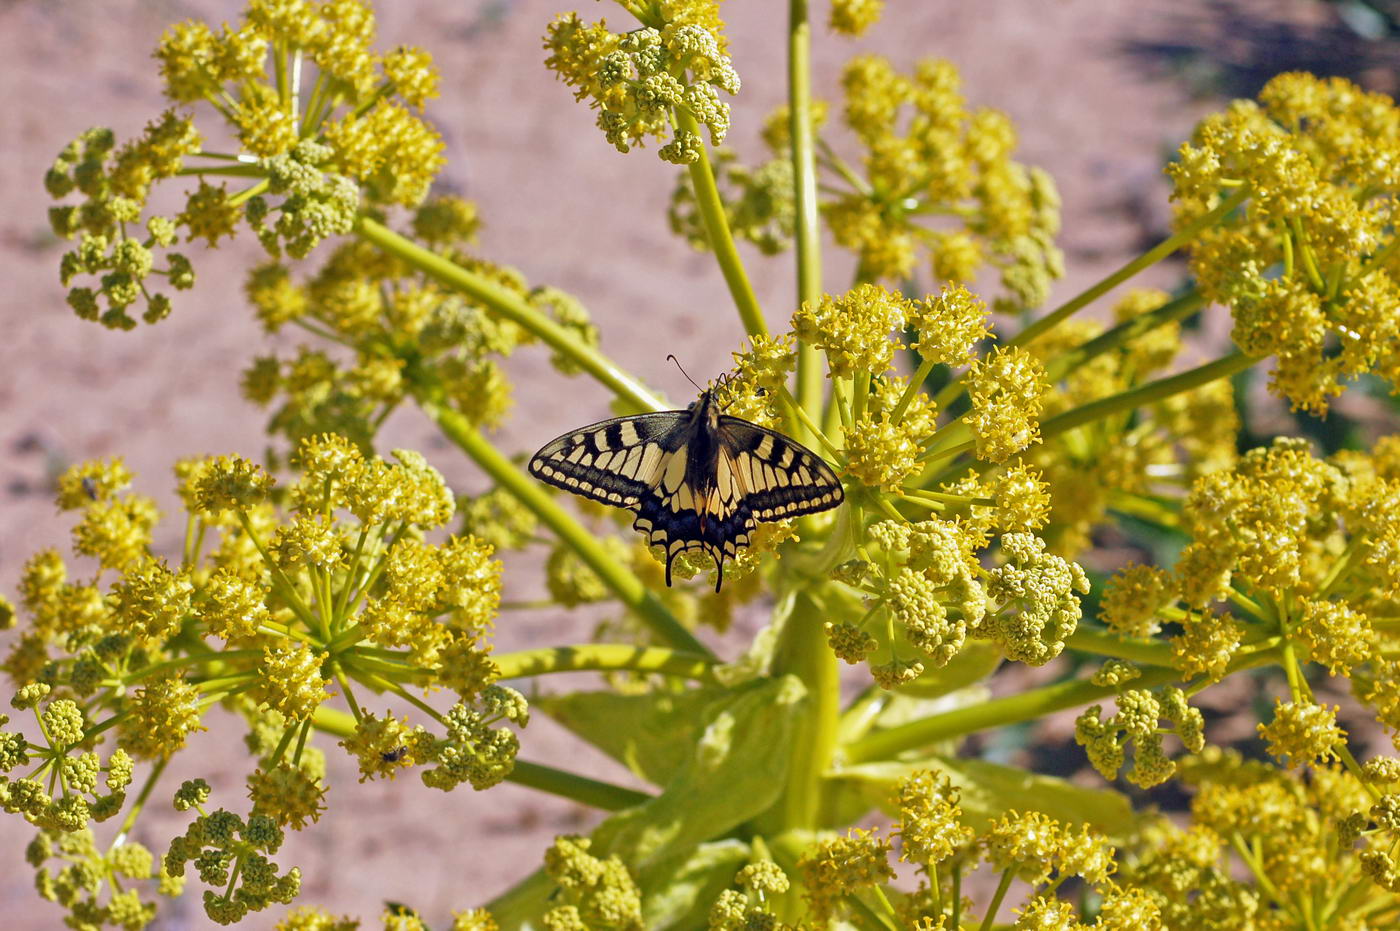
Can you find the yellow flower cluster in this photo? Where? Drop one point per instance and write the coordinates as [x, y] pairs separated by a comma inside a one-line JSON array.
[[1034, 597], [760, 881], [883, 446], [935, 834], [1312, 165], [1113, 462], [410, 333], [1302, 549], [1266, 849], [361, 105], [843, 866], [1005, 388], [889, 433], [854, 17], [857, 331], [283, 606], [114, 182], [928, 159], [936, 182], [1137, 722], [656, 81], [86, 872], [1281, 528], [595, 893], [233, 854], [311, 155], [922, 586]]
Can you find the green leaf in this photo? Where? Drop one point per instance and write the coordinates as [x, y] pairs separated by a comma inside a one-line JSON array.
[[757, 660], [977, 660], [737, 770], [900, 709], [652, 734], [734, 770], [989, 790], [677, 892]]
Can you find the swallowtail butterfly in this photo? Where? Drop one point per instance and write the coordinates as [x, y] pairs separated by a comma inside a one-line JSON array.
[[697, 479]]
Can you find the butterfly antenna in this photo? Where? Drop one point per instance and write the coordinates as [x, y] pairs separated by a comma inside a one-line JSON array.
[[684, 372], [724, 380]]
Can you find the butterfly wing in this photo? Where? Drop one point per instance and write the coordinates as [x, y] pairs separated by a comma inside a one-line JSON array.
[[697, 506], [617, 461], [780, 477], [758, 475], [692, 486]]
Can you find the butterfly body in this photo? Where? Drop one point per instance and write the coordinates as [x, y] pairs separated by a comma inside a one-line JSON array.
[[696, 479]]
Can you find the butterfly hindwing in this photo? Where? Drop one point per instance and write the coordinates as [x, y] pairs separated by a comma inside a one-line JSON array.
[[780, 477], [707, 513], [616, 461]]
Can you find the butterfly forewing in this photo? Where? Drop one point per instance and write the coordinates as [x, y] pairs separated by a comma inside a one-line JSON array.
[[780, 477], [696, 481], [615, 461]]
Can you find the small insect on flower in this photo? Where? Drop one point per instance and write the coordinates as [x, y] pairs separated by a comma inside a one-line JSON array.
[[697, 479], [90, 487], [395, 755]]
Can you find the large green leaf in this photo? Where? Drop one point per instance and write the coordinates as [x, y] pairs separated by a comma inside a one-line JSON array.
[[734, 769], [757, 661], [977, 660], [737, 770], [989, 790], [678, 891], [651, 734]]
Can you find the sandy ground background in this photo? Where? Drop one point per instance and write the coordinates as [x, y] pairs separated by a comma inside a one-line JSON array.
[[1100, 92]]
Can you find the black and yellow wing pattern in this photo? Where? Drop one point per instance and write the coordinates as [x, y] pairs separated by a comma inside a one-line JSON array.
[[695, 479]]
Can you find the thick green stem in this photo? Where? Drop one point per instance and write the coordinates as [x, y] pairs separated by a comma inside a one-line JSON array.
[[1013, 709], [147, 787], [990, 918], [580, 789], [1125, 401], [588, 656], [512, 307], [702, 179], [1126, 332], [1149, 258], [804, 174], [546, 660], [803, 652], [998, 712], [617, 577], [1105, 643]]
